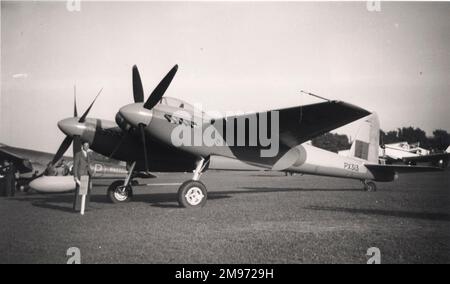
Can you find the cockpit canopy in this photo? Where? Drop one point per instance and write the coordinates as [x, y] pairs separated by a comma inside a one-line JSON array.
[[174, 102]]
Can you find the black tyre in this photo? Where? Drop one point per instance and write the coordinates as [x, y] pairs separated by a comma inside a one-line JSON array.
[[192, 194], [117, 193], [370, 186]]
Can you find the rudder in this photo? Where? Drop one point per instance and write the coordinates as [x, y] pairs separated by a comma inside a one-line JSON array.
[[366, 143]]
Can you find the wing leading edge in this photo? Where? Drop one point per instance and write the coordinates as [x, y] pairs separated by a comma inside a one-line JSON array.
[[302, 123], [23, 164]]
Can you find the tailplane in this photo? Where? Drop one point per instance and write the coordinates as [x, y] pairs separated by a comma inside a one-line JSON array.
[[366, 143]]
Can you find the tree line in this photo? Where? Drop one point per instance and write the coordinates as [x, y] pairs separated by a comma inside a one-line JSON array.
[[438, 142]]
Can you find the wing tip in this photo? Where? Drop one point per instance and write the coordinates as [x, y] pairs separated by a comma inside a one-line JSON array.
[[361, 111]]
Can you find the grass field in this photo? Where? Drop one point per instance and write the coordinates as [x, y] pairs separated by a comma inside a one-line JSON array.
[[249, 218]]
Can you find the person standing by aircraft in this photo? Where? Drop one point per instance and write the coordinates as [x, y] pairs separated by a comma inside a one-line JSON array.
[[12, 179], [3, 171], [7, 179], [81, 167]]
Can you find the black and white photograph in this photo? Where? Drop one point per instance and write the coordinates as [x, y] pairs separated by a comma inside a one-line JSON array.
[[225, 137]]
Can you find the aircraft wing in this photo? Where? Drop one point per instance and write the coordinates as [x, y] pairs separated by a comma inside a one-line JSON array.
[[401, 168], [302, 123], [23, 164], [230, 164]]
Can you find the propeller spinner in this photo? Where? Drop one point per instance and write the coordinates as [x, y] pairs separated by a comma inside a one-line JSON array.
[[71, 127]]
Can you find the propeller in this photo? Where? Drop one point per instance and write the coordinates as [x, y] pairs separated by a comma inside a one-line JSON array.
[[62, 149], [83, 117], [144, 143], [159, 91], [138, 91], [152, 101], [76, 139], [75, 112]]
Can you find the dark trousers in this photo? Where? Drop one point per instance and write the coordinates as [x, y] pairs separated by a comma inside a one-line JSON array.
[[77, 197], [11, 191], [2, 186], [8, 185]]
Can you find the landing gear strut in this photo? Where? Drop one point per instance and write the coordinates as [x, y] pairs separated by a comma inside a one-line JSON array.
[[192, 193], [369, 186], [121, 191]]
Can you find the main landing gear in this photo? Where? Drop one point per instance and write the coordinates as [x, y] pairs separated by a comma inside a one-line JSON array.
[[121, 191], [192, 193], [369, 186]]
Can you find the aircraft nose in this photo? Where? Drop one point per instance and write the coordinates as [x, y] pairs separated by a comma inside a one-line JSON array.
[[136, 114], [71, 127]]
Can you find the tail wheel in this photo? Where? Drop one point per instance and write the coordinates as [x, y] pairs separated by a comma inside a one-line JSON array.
[[192, 194], [370, 186], [118, 193]]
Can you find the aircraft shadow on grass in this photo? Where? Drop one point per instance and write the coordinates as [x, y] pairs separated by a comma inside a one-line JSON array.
[[290, 189], [163, 200], [432, 216], [63, 202]]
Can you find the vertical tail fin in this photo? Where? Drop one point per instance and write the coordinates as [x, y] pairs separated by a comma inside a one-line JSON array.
[[366, 143]]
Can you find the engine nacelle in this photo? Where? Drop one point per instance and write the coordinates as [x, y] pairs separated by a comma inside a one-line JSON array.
[[122, 123]]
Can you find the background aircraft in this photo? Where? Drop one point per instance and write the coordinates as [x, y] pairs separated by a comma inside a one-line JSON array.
[[142, 136], [34, 172], [32, 164], [39, 171], [412, 154]]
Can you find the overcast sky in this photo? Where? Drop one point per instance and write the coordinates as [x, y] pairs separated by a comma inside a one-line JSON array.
[[232, 56]]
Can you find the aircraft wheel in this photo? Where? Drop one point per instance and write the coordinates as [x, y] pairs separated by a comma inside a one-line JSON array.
[[370, 186], [192, 194], [117, 193]]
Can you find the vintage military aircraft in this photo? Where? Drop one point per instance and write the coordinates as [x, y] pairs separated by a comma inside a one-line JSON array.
[[159, 135]]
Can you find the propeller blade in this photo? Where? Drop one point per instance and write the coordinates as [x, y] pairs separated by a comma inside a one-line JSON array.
[[62, 149], [142, 129], [83, 117], [124, 137], [138, 91], [159, 91], [75, 111], [76, 147]]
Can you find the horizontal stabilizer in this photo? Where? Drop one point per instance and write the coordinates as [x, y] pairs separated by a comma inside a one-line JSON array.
[[427, 158], [401, 168]]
